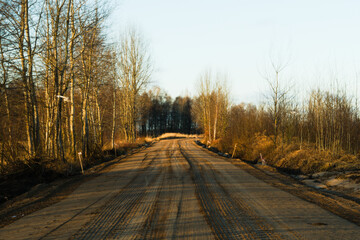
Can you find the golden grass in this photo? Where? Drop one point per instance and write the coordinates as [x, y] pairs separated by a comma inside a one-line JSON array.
[[176, 135], [122, 144], [290, 157]]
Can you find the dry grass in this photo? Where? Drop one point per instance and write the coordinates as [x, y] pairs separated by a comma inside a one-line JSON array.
[[289, 157], [176, 135], [309, 160], [123, 145]]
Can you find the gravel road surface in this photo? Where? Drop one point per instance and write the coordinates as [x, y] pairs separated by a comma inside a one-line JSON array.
[[177, 190]]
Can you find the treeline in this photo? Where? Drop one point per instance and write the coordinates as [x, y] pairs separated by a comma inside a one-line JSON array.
[[65, 92], [156, 113], [160, 114], [327, 121], [320, 133]]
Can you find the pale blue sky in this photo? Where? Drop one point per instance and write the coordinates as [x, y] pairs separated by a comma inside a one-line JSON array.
[[236, 37]]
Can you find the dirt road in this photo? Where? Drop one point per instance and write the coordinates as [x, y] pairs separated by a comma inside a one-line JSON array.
[[175, 189]]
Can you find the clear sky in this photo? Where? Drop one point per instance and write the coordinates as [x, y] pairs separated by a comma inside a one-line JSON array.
[[236, 37]]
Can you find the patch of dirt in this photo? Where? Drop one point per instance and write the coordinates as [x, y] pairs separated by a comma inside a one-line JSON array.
[[341, 183]]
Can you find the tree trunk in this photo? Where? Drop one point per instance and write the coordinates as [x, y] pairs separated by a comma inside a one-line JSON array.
[[25, 81], [85, 126], [72, 86], [216, 114], [113, 121], [32, 92], [99, 125], [72, 107], [59, 135]]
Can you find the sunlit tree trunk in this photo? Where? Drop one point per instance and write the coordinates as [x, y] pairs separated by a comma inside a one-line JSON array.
[[21, 40], [72, 84], [113, 120]]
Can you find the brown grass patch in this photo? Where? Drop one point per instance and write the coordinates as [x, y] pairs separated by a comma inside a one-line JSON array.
[[176, 135], [289, 157]]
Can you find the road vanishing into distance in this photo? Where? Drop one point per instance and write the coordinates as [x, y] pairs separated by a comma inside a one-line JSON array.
[[177, 190]]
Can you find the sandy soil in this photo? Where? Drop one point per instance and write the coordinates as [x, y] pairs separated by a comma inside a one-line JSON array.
[[176, 189]]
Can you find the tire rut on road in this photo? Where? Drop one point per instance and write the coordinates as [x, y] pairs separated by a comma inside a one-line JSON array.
[[155, 225], [189, 220], [113, 219], [228, 217]]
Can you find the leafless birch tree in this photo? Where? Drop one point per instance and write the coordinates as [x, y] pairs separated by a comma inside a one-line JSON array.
[[134, 71]]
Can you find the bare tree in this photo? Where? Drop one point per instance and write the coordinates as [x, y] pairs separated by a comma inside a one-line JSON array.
[[205, 103], [211, 106], [134, 71], [221, 103], [278, 95]]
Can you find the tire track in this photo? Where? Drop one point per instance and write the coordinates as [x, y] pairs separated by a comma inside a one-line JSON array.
[[162, 214], [122, 207], [154, 225], [160, 222], [224, 178], [229, 218], [178, 189], [132, 229], [190, 221]]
